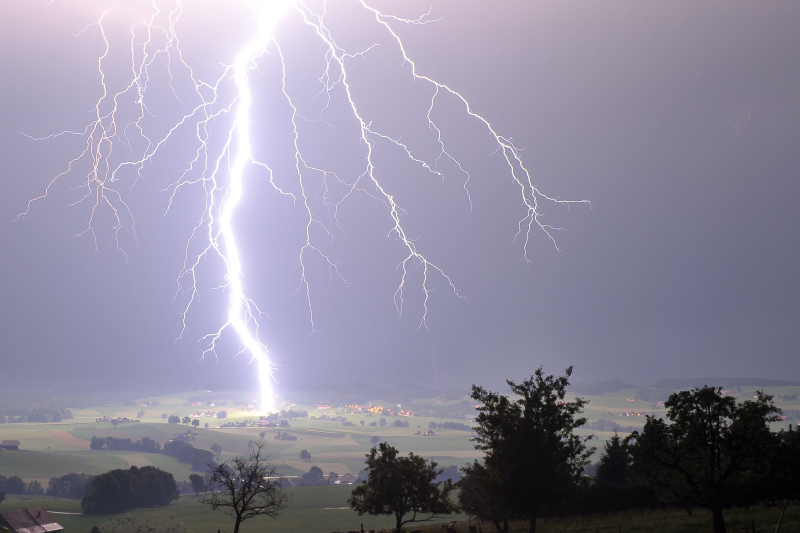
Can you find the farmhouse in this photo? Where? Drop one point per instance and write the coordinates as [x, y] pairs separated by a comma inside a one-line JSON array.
[[9, 445], [35, 520]]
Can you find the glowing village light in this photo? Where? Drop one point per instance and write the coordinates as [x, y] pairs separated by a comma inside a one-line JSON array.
[[223, 171]]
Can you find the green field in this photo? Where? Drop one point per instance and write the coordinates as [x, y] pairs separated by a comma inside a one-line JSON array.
[[60, 448]]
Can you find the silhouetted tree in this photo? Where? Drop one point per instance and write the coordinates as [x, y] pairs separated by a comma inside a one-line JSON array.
[[529, 441], [613, 468], [246, 487], [714, 453], [305, 455], [198, 483], [374, 440], [402, 486], [195, 422], [216, 449], [480, 494], [186, 420]]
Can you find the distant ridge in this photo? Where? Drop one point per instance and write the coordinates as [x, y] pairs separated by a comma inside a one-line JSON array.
[[679, 383], [669, 384], [600, 387]]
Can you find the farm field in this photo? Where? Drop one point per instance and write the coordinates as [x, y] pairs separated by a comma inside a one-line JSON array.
[[56, 449]]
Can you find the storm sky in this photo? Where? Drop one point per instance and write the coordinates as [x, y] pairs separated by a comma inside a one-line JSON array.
[[679, 121]]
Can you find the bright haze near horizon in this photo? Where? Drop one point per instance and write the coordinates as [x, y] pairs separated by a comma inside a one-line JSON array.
[[679, 121]]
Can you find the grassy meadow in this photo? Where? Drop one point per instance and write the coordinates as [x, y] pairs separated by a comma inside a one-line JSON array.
[[56, 449]]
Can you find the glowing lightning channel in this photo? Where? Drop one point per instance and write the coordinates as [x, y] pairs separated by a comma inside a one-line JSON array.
[[267, 13], [122, 117]]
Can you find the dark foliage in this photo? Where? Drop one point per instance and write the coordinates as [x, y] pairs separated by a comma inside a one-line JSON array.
[[530, 443], [15, 485], [458, 426], [119, 490], [146, 444], [68, 486], [714, 454], [607, 425], [186, 453], [403, 487], [480, 496]]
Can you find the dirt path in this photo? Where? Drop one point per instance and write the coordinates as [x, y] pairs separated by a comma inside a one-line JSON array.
[[63, 436]]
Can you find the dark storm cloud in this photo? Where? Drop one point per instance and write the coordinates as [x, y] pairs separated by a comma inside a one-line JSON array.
[[678, 121]]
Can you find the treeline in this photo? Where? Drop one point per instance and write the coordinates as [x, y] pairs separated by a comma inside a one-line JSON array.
[[186, 453], [607, 425], [71, 486], [120, 490], [710, 451], [458, 426], [458, 409], [146, 444], [181, 450], [21, 414], [290, 414], [15, 485]]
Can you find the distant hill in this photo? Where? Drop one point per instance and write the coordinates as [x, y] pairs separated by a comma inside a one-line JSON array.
[[678, 383], [600, 387], [660, 390]]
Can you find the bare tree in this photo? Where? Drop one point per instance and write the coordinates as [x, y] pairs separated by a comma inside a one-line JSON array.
[[246, 487]]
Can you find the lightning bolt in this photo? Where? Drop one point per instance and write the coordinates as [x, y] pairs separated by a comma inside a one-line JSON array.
[[120, 142]]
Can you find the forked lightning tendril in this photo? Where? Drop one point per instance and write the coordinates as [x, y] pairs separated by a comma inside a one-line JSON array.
[[119, 145]]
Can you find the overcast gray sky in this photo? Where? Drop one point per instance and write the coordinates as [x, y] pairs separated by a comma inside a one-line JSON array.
[[679, 121]]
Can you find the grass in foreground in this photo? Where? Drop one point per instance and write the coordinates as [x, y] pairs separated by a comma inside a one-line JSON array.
[[324, 510]]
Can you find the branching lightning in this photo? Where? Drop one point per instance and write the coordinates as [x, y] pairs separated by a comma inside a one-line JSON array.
[[120, 126]]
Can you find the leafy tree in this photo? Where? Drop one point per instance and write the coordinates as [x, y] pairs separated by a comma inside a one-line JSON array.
[[163, 416], [114, 422], [313, 477], [529, 441], [195, 422], [333, 477], [35, 488], [186, 420], [402, 486], [615, 463], [246, 487], [216, 449], [374, 440], [222, 414], [713, 454], [479, 496], [174, 419], [382, 422], [68, 486], [305, 455], [198, 483], [120, 490], [262, 434]]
